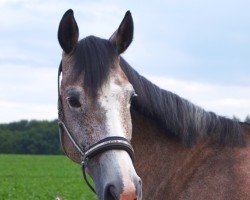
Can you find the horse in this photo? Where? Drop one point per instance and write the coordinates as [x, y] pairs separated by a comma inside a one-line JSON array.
[[180, 151]]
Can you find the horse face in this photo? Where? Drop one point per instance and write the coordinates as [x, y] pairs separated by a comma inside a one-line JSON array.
[[96, 95]]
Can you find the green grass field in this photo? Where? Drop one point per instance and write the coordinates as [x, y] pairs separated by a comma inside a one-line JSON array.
[[33, 177]]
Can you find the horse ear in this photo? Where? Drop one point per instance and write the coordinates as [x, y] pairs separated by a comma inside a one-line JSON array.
[[68, 32], [123, 36]]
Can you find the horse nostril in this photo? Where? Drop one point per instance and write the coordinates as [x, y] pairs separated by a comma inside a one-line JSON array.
[[110, 193]]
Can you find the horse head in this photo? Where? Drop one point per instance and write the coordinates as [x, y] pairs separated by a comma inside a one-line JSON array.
[[95, 97]]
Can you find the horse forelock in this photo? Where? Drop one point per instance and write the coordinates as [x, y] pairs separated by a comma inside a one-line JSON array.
[[180, 117], [93, 59]]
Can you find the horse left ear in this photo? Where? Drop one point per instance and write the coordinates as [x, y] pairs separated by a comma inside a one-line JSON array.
[[68, 32], [123, 36]]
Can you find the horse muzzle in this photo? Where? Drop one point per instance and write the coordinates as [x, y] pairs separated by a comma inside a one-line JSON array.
[[115, 177], [132, 191]]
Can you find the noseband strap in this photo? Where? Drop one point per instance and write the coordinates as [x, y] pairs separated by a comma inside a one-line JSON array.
[[108, 143]]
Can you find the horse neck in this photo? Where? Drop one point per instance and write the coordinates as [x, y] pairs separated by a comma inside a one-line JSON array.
[[163, 160], [166, 166]]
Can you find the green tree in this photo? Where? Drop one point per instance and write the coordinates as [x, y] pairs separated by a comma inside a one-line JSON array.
[[30, 137]]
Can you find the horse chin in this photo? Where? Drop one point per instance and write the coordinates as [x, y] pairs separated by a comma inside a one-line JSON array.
[[114, 176]]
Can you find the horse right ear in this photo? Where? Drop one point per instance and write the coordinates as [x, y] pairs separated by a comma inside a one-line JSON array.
[[68, 32], [123, 36]]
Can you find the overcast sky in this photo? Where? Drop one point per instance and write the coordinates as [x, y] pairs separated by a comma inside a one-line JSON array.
[[197, 49]]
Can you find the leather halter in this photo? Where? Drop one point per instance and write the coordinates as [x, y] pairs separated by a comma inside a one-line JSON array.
[[108, 143]]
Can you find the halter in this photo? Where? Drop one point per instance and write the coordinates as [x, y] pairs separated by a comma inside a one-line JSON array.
[[108, 143]]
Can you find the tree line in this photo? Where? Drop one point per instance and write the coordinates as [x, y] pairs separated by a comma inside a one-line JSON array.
[[34, 137], [30, 137]]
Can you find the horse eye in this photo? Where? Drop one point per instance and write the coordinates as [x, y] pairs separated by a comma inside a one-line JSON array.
[[74, 102]]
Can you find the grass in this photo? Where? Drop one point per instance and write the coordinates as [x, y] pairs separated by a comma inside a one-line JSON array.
[[33, 177]]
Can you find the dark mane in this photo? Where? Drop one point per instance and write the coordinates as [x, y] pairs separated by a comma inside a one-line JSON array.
[[178, 116], [93, 58]]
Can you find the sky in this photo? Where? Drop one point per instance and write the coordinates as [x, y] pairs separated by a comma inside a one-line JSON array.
[[196, 49]]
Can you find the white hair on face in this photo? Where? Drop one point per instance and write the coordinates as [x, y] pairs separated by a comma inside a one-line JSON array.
[[112, 99]]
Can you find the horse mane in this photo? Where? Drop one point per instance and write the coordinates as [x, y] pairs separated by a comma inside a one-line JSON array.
[[179, 117]]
